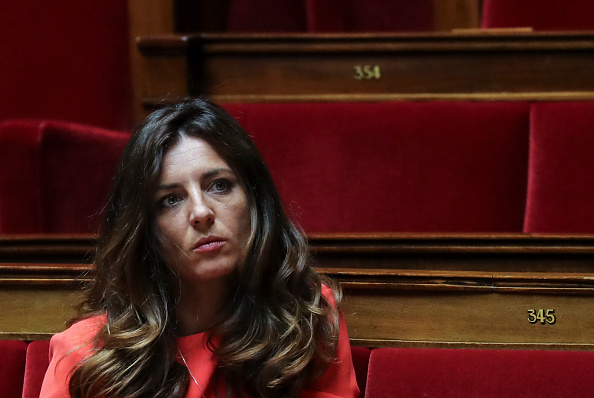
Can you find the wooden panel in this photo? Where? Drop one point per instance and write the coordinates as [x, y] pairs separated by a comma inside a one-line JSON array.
[[38, 300], [438, 290], [35, 313], [515, 252], [456, 14], [468, 309], [470, 252], [46, 248], [165, 76], [145, 17], [265, 68]]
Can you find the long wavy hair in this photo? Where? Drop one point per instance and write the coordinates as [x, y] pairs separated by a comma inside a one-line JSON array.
[[276, 329]]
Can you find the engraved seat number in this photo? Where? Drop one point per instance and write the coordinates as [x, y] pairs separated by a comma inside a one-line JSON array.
[[366, 72], [543, 316]]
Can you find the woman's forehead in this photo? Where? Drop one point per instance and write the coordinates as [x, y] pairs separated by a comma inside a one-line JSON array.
[[191, 155]]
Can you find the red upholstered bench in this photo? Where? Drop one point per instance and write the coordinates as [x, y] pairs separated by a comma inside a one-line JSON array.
[[346, 167], [441, 373], [390, 372], [341, 167]]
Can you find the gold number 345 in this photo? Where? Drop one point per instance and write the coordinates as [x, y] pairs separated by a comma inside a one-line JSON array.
[[542, 315]]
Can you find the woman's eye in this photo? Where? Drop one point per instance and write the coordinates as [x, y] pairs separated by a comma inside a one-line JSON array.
[[221, 185], [169, 201]]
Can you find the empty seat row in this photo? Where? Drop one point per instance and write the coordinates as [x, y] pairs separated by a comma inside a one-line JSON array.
[[346, 167]]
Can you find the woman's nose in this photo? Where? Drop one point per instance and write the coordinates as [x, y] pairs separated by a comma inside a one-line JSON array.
[[200, 212]]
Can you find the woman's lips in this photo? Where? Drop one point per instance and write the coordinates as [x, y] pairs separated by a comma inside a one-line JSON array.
[[208, 244]]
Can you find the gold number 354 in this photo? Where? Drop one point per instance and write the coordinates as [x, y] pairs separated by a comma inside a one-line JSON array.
[[542, 315], [367, 72]]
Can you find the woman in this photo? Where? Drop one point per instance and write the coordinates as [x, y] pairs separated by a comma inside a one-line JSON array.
[[203, 286]]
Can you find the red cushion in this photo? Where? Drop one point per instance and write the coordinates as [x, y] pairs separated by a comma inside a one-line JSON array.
[[58, 176], [396, 166], [440, 373], [540, 15], [12, 368], [361, 363], [36, 366], [67, 60], [561, 171]]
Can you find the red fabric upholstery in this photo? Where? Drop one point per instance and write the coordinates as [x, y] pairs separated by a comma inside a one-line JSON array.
[[561, 168], [361, 363], [19, 188], [65, 179], [440, 373], [369, 15], [267, 16], [540, 15], [78, 164], [12, 368], [396, 166], [330, 15], [36, 365], [67, 60]]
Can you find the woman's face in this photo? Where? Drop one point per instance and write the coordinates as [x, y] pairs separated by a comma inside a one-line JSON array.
[[202, 212]]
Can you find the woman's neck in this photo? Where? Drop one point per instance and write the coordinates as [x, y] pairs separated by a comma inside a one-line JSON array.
[[199, 305]]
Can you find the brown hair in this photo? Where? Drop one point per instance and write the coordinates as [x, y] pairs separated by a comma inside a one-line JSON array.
[[276, 328]]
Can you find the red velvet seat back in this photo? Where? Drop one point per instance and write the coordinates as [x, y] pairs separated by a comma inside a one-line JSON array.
[[441, 373], [396, 166], [267, 16], [540, 15], [65, 180], [561, 172], [35, 368], [369, 15], [65, 60], [330, 15], [12, 368], [361, 363], [19, 176], [78, 164]]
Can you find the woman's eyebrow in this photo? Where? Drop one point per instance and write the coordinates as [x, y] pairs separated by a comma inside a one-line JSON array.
[[168, 186], [213, 172], [209, 174]]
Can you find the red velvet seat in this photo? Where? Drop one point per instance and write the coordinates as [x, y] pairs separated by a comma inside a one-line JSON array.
[[561, 169], [12, 368], [35, 368], [396, 166], [65, 60], [540, 15], [57, 176], [441, 373]]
